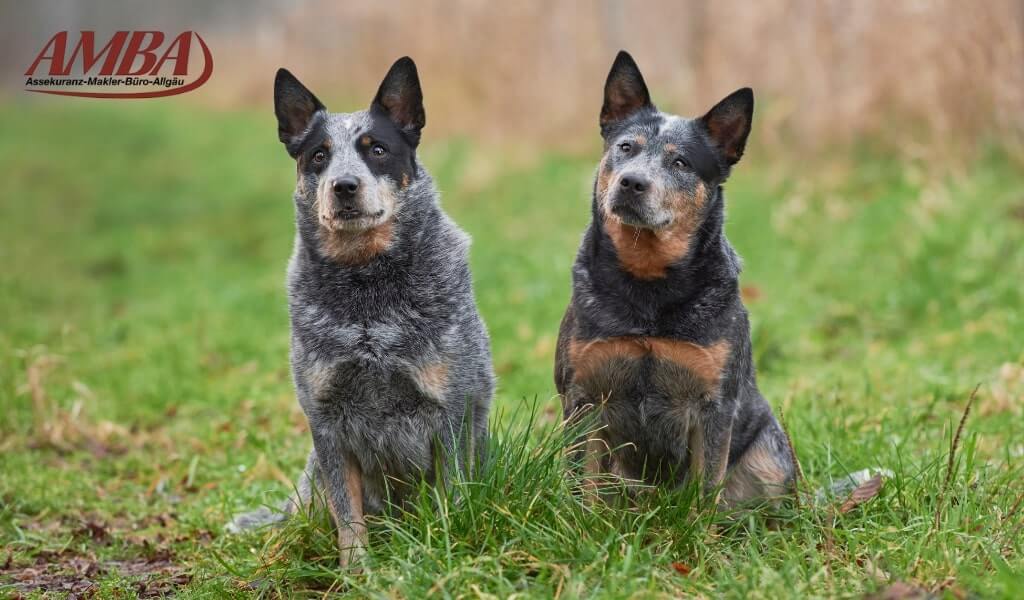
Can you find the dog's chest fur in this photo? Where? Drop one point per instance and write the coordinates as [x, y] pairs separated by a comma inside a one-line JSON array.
[[368, 380], [379, 355], [650, 390], [651, 358], [634, 369]]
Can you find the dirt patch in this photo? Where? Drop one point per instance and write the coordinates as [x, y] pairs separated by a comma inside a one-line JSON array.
[[79, 576], [152, 571], [1017, 211]]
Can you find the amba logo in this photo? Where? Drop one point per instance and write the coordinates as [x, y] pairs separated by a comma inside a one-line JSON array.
[[132, 64]]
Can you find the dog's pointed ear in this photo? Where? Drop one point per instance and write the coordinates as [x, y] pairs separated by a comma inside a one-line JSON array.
[[295, 107], [625, 92], [728, 123], [401, 98]]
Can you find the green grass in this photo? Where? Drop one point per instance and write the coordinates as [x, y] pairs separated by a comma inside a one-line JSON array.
[[145, 396]]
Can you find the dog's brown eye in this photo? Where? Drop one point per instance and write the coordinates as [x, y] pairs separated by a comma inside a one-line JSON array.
[[680, 163], [319, 156], [625, 146], [378, 150]]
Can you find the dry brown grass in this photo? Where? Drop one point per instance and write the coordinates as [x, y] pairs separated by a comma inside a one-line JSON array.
[[68, 429], [927, 78]]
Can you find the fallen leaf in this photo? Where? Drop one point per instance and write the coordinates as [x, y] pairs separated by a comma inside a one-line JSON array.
[[862, 493], [94, 530], [682, 568]]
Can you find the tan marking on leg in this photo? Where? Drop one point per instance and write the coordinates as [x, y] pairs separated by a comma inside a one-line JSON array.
[[708, 465], [716, 477], [595, 449], [352, 534], [432, 379], [758, 474], [695, 449]]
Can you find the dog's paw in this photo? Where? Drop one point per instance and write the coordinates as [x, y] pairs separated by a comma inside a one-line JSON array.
[[352, 557], [352, 547]]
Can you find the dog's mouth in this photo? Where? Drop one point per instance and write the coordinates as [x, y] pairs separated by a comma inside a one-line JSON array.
[[626, 213], [353, 220], [629, 215]]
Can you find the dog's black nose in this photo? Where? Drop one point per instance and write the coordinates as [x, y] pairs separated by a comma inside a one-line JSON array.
[[346, 187], [634, 183]]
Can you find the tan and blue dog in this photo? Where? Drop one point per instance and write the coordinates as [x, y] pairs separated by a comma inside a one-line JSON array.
[[656, 342], [390, 358]]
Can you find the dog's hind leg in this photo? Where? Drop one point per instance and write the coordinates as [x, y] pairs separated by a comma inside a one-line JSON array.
[[763, 472]]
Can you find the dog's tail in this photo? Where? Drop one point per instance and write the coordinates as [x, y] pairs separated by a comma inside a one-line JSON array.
[[265, 515]]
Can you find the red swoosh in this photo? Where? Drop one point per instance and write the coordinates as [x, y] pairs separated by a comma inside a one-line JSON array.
[[207, 71]]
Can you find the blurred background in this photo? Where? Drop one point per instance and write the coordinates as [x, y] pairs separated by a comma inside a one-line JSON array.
[[879, 208], [925, 77]]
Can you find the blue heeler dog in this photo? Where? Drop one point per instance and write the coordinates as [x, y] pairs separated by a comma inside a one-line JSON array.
[[656, 343], [390, 358]]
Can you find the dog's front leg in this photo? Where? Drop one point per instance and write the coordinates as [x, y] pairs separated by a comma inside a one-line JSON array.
[[592, 451], [343, 486], [708, 446]]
